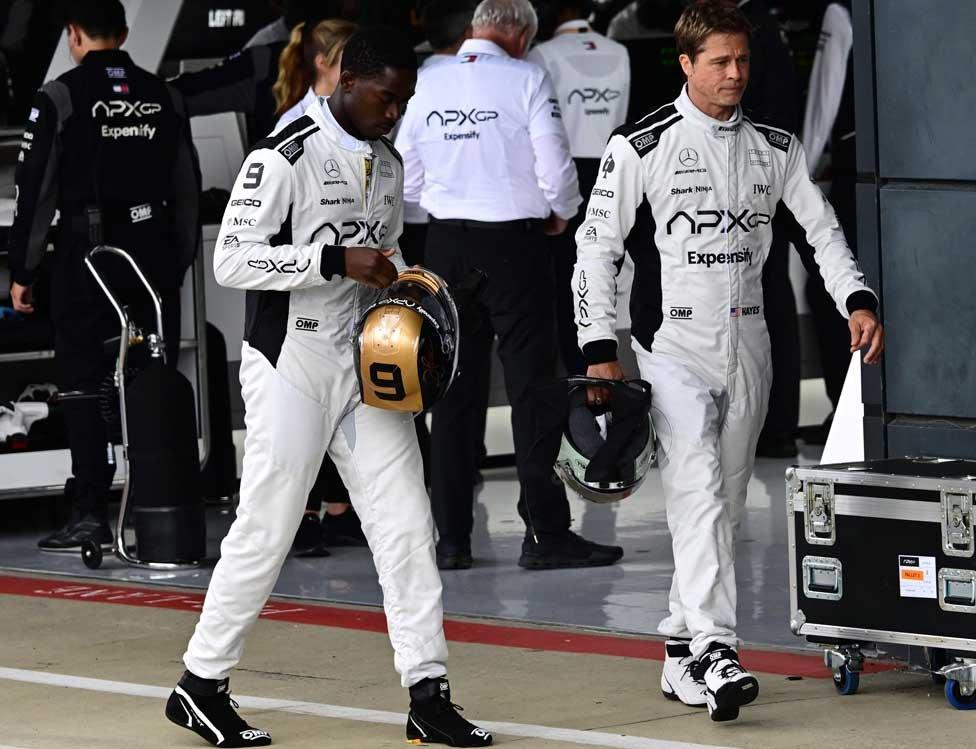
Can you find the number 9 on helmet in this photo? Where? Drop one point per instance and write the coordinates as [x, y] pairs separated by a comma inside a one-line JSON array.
[[407, 344]]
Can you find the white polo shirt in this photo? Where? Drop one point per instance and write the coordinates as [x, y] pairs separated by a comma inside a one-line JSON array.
[[483, 139], [591, 75]]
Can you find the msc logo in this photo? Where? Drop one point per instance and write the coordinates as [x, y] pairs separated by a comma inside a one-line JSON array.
[[119, 108], [238, 221], [139, 213], [593, 94], [459, 117], [599, 192], [711, 219], [354, 230], [253, 202], [680, 313], [306, 323], [598, 212]]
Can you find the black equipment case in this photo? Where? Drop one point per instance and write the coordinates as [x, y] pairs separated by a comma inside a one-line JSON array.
[[883, 552]]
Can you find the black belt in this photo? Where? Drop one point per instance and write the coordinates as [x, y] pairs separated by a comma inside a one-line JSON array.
[[528, 225]]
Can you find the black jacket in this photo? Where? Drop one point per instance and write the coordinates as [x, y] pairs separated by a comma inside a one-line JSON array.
[[111, 140]]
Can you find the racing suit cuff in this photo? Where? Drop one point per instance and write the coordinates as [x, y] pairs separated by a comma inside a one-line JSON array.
[[333, 262], [862, 300], [22, 276], [600, 352]]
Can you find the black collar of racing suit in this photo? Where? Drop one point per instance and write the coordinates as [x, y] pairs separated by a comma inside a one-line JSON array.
[[693, 114]]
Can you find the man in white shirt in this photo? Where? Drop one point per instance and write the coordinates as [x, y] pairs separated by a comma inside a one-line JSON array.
[[486, 154], [591, 75]]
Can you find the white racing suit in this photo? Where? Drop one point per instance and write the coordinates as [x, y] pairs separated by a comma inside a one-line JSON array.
[[698, 325], [302, 194]]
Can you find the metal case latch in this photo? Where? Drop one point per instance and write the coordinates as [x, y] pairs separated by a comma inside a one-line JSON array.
[[957, 524], [823, 577], [957, 590], [818, 514]]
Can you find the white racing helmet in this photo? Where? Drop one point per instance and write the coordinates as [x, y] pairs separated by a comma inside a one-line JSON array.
[[607, 451]]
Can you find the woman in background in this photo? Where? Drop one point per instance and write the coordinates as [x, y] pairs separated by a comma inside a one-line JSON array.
[[308, 68]]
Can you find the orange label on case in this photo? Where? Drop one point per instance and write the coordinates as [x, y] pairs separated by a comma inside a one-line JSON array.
[[913, 575]]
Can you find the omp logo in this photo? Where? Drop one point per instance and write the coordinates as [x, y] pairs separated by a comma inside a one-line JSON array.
[[778, 138], [270, 266], [582, 306], [585, 95], [253, 202], [680, 313], [253, 733], [119, 108], [708, 259], [459, 117], [139, 213], [644, 141], [600, 192], [349, 231], [711, 219], [306, 323]]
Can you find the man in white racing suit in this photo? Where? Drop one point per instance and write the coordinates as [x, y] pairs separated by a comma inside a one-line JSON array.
[[712, 178], [310, 232]]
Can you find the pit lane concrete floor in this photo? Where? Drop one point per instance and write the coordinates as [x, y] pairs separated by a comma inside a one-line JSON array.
[[109, 668], [629, 597]]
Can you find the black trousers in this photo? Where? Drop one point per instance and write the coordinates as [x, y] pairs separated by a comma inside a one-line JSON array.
[[563, 250], [516, 304], [783, 416], [83, 321]]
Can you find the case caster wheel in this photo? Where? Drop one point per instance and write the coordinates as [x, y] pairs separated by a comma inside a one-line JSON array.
[[956, 698], [91, 554], [846, 681]]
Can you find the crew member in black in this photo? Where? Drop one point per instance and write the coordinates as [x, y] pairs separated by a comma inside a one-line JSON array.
[[108, 145]]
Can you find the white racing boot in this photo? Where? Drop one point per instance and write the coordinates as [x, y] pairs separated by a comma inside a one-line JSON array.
[[677, 681], [728, 686]]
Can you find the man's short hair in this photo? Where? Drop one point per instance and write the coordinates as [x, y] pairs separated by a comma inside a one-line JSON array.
[[704, 18], [510, 15], [100, 19], [371, 50], [445, 21]]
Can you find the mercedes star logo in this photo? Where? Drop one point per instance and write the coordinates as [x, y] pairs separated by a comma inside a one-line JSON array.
[[688, 157], [332, 168]]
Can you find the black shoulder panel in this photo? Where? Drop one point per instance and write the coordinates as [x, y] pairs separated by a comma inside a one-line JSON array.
[[777, 138], [389, 144], [290, 141], [645, 134]]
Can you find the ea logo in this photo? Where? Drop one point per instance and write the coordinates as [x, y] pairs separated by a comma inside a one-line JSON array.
[[332, 168], [688, 157]]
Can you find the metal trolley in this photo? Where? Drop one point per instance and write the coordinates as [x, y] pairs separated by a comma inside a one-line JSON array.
[[884, 552], [129, 334]]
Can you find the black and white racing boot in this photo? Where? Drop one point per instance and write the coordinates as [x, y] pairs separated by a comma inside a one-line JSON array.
[[728, 686], [434, 719], [677, 681], [205, 707]]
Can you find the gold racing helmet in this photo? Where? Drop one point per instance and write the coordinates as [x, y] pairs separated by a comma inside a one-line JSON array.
[[407, 349]]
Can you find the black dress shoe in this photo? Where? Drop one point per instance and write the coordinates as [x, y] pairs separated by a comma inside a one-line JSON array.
[[343, 530], [453, 556], [308, 538], [70, 538], [566, 550]]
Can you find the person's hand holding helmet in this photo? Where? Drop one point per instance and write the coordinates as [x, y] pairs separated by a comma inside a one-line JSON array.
[[371, 266]]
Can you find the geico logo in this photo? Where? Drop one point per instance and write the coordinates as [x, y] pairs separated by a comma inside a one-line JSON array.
[[348, 231], [593, 94], [120, 108], [459, 117], [602, 193], [253, 202], [238, 221], [708, 259], [744, 220], [681, 313]]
